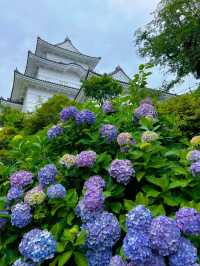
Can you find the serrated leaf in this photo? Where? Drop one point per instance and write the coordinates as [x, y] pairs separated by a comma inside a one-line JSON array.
[[179, 183]]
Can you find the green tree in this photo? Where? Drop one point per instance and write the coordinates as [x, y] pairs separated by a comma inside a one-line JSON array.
[[101, 88], [172, 38]]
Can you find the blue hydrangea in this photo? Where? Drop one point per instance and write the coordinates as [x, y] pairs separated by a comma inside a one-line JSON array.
[[186, 255], [107, 107], [67, 113], [22, 262], [38, 245], [85, 214], [55, 131], [122, 171], [156, 261], [85, 117], [56, 191], [193, 156], [108, 132], [99, 257], [139, 219], [117, 261], [137, 248], [164, 235], [14, 193], [188, 220], [195, 168], [47, 175], [104, 231], [21, 215]]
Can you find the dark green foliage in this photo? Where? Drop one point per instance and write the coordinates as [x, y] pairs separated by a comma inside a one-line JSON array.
[[186, 111], [101, 88], [172, 38]]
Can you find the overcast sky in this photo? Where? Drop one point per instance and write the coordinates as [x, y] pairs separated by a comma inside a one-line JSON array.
[[96, 27]]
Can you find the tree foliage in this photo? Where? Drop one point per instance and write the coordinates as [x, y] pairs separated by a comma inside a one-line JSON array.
[[101, 88], [172, 38]]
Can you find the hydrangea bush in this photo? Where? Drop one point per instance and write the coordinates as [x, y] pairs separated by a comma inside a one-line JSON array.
[[115, 185]]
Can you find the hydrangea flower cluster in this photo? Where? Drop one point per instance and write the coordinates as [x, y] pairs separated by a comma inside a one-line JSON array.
[[56, 191], [107, 107], [37, 245], [149, 136], [125, 141], [195, 168], [188, 221], [86, 159], [68, 160], [22, 262], [102, 228], [14, 193], [21, 179], [35, 196], [21, 215], [108, 132], [47, 175], [3, 220], [85, 117], [193, 156], [122, 171], [149, 240], [146, 108], [117, 261], [67, 113], [55, 131]]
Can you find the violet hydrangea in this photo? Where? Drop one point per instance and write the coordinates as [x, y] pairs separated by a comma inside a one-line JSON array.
[[55, 131], [193, 156], [38, 245], [100, 257], [122, 171], [47, 175], [107, 107], [108, 132], [146, 108], [195, 168], [14, 193], [96, 182], [164, 235], [68, 112], [21, 179], [56, 191], [21, 215], [139, 219], [188, 221], [85, 117], [186, 255], [117, 261], [86, 159]]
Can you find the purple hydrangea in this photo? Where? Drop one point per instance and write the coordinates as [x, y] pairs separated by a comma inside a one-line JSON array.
[[156, 260], [14, 193], [86, 159], [95, 181], [85, 117], [47, 175], [93, 200], [195, 168], [193, 156], [21, 215], [56, 191], [117, 261], [108, 132], [188, 221], [21, 179], [164, 235], [107, 107], [137, 248], [104, 231], [122, 171], [55, 131], [37, 245], [3, 220], [139, 219], [99, 257], [22, 262], [85, 214], [67, 113], [186, 255], [145, 109]]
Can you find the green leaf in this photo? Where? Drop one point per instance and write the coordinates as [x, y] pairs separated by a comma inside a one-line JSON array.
[[157, 210], [128, 204], [139, 176], [62, 259], [71, 198], [179, 183], [162, 182], [116, 207], [60, 247], [80, 259], [151, 192], [141, 199], [81, 238]]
